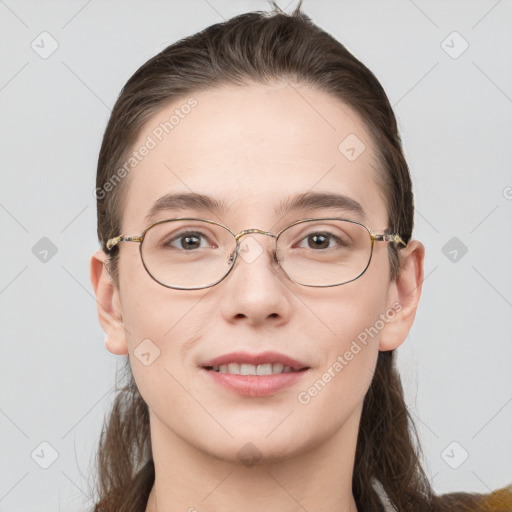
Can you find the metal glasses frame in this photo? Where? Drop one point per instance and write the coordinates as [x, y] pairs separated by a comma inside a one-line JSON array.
[[393, 238]]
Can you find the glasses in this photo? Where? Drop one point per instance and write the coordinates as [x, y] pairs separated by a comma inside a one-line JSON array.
[[190, 253]]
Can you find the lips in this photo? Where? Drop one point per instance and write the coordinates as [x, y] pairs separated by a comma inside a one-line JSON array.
[[263, 358], [254, 375]]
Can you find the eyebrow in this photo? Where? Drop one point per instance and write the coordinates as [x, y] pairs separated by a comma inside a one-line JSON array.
[[321, 201], [306, 201], [184, 201]]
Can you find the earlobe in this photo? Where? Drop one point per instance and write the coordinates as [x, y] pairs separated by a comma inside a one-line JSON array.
[[108, 305], [405, 292]]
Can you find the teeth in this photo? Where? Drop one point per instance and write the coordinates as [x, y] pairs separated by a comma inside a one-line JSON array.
[[251, 369], [278, 368], [232, 368], [264, 369], [245, 369]]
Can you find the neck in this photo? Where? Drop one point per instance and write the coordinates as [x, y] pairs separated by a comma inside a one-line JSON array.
[[318, 479]]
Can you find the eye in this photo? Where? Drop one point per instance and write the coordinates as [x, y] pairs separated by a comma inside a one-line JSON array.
[[187, 241], [324, 240]]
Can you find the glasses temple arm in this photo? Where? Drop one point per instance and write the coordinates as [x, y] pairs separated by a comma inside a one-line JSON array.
[[112, 242], [397, 239]]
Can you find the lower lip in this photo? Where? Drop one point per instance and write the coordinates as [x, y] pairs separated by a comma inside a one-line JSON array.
[[256, 385]]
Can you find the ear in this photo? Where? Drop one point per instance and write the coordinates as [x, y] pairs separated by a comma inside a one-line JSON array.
[[404, 295], [109, 305]]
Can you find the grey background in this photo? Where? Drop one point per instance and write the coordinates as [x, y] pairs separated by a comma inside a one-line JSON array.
[[454, 114]]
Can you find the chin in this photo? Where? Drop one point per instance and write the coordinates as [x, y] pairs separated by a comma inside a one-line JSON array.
[[250, 446]]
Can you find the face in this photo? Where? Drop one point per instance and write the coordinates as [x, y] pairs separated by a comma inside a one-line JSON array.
[[253, 148]]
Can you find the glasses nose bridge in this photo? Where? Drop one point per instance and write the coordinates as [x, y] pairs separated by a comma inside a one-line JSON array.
[[260, 231], [255, 231]]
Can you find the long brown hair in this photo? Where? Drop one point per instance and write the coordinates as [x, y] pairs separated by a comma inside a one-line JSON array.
[[261, 47]]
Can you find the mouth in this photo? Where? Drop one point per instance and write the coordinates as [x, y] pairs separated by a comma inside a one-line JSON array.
[[254, 375], [264, 363], [252, 369]]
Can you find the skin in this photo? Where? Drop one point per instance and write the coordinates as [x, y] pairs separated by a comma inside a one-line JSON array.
[[253, 146]]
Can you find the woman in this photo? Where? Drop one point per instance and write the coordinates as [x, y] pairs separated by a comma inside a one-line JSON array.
[[255, 212]]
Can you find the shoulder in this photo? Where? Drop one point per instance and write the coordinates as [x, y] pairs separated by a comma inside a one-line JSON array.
[[499, 500]]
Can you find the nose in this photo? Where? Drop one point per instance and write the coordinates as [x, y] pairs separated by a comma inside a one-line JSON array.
[[254, 290]]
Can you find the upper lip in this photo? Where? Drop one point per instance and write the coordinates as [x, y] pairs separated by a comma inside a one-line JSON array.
[[255, 359]]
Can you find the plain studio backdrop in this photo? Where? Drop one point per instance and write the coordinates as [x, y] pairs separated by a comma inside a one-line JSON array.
[[446, 69]]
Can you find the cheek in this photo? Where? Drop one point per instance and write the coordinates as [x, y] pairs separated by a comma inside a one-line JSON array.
[[351, 309], [161, 324], [161, 331], [151, 310], [350, 349]]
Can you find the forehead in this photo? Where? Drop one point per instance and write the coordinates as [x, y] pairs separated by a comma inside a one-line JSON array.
[[251, 148]]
